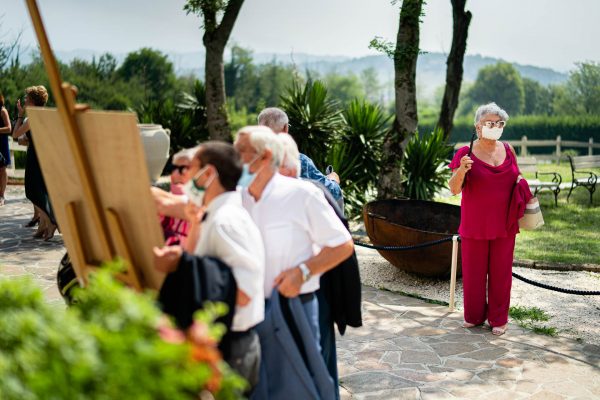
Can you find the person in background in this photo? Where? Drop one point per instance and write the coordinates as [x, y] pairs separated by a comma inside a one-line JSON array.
[[5, 131], [171, 205], [276, 119], [225, 231], [35, 187], [486, 178]]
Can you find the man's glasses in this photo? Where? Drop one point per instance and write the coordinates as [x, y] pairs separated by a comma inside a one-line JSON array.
[[179, 168], [491, 124]]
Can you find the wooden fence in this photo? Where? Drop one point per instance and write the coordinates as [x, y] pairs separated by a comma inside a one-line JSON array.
[[522, 147]]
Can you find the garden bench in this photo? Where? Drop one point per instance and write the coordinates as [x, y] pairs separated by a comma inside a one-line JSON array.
[[529, 164], [578, 163]]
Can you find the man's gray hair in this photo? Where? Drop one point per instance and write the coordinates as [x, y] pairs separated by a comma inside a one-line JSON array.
[[291, 154], [490, 109], [185, 155], [273, 117], [262, 138]]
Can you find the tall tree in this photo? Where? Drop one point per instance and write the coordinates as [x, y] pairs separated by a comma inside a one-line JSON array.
[[405, 56], [216, 35], [454, 65], [500, 83]]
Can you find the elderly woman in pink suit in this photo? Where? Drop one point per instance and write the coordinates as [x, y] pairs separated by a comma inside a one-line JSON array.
[[486, 175]]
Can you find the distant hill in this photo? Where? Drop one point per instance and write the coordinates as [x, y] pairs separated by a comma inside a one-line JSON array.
[[431, 67]]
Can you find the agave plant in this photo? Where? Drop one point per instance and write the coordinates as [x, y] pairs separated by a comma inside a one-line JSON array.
[[425, 163], [355, 155], [314, 118]]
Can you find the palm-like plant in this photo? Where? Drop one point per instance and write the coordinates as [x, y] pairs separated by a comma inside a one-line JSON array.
[[424, 167], [315, 119], [355, 155], [186, 119]]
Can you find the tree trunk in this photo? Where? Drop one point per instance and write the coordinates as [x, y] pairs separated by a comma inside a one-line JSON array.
[[215, 39], [454, 70], [216, 111], [405, 123]]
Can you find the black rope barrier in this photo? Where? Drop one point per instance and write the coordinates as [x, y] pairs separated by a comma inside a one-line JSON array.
[[400, 248], [448, 239], [556, 289]]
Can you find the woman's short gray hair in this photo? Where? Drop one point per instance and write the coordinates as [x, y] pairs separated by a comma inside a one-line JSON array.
[[185, 155], [262, 138], [291, 154], [273, 117], [490, 109]]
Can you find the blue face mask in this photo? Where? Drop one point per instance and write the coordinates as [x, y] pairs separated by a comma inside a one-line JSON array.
[[247, 177]]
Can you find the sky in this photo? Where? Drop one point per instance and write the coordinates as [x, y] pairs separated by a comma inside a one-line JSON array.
[[546, 33]]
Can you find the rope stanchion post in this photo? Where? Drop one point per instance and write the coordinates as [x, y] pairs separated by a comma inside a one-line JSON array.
[[453, 271]]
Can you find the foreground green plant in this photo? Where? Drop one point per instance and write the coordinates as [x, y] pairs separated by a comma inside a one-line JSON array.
[[107, 346], [528, 317]]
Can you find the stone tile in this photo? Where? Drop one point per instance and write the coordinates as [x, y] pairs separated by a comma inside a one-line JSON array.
[[410, 343], [420, 357], [566, 389], [499, 374], [450, 349], [424, 331], [546, 395], [527, 387], [486, 354], [392, 357], [433, 393], [458, 363], [396, 394], [364, 382], [509, 362], [418, 376]]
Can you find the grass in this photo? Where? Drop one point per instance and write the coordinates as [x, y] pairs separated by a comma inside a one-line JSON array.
[[528, 317], [571, 233]]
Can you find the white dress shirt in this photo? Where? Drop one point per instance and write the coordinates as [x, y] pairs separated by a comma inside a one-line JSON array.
[[295, 221], [229, 234]]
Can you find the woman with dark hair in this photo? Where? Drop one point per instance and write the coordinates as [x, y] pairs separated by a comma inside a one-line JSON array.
[[35, 187], [5, 129]]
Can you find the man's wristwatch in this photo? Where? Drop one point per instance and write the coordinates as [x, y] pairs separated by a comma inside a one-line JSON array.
[[305, 272]]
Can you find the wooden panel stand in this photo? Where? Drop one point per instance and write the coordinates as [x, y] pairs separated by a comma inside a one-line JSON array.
[[94, 168]]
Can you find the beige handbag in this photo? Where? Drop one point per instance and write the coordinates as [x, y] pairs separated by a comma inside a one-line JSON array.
[[532, 219]]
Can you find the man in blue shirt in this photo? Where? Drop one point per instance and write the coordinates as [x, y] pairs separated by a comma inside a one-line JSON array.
[[276, 119]]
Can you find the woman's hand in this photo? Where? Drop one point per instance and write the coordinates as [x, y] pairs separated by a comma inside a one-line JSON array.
[[466, 163], [20, 109]]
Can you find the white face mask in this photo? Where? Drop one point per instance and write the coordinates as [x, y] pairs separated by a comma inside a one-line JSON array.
[[491, 133], [195, 192]]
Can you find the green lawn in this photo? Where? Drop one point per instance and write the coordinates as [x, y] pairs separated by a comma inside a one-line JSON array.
[[571, 233]]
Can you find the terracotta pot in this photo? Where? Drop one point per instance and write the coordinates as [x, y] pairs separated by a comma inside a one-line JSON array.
[[156, 141]]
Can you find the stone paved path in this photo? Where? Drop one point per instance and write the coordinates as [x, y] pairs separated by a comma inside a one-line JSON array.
[[407, 348]]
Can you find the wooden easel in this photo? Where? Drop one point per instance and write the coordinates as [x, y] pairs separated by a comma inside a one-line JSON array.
[[94, 232]]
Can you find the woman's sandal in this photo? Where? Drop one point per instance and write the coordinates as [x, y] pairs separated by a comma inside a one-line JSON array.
[[470, 325], [33, 222], [499, 330]]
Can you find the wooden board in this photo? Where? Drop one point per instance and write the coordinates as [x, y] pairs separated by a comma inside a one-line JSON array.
[[115, 154]]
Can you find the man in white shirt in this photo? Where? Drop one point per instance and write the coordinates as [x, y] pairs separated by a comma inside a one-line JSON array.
[[302, 235], [227, 232]]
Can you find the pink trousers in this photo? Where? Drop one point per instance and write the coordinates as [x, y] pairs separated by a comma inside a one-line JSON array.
[[487, 279]]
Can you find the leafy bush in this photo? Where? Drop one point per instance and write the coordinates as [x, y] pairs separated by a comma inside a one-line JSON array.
[[106, 347], [315, 119], [356, 154], [425, 165], [186, 119], [535, 127]]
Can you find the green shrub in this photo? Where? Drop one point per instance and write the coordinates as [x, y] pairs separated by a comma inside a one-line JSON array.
[[356, 154], [424, 167], [105, 347], [314, 118], [535, 127]]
